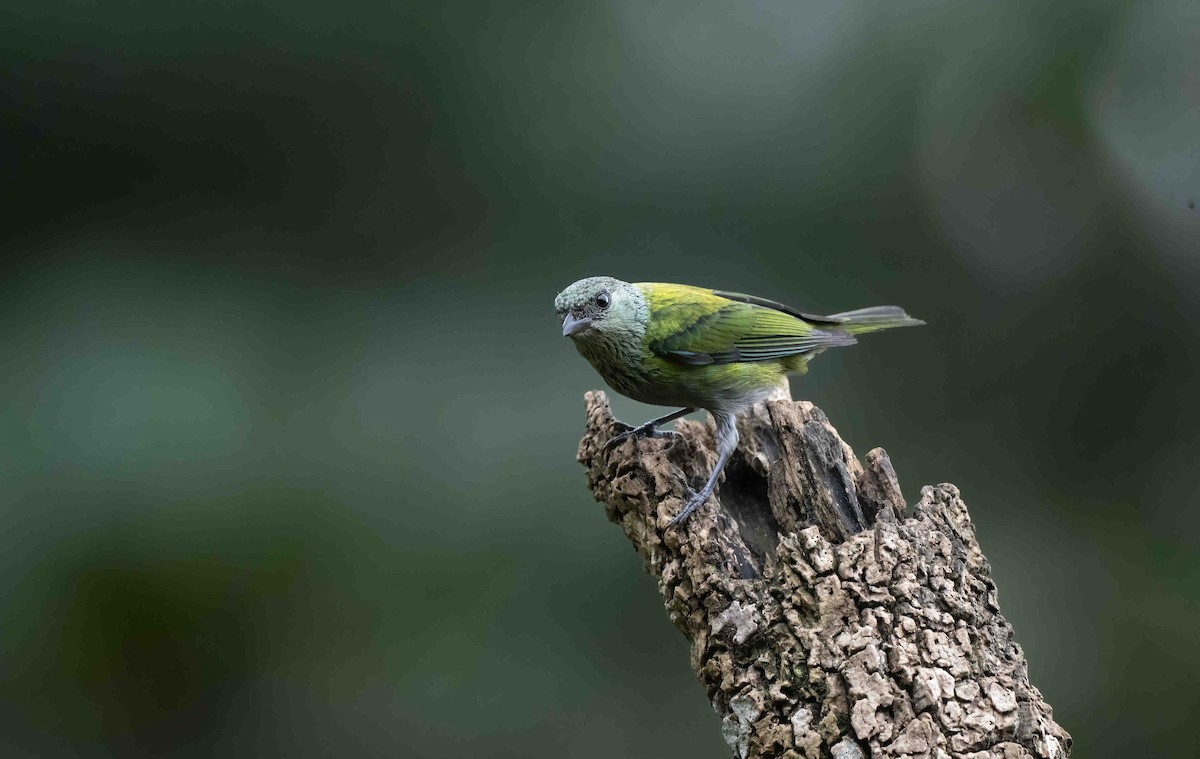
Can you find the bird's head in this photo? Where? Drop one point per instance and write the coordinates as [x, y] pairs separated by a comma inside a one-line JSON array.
[[599, 306]]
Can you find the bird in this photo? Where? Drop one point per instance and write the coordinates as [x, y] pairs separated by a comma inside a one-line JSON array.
[[696, 348]]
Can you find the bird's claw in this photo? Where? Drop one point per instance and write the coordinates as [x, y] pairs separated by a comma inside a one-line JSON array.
[[695, 500], [644, 431]]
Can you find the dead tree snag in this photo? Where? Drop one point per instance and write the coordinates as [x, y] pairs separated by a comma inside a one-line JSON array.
[[825, 618]]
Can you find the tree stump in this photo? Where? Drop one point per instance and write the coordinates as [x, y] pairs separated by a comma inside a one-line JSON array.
[[825, 618]]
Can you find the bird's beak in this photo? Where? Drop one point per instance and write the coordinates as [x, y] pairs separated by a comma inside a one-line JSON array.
[[573, 326]]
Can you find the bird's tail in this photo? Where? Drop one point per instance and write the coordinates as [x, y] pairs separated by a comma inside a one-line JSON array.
[[873, 319]]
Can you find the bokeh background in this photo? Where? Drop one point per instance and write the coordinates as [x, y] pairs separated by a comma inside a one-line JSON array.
[[288, 427]]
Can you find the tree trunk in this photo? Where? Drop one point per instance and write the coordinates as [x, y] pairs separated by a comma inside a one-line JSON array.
[[825, 618]]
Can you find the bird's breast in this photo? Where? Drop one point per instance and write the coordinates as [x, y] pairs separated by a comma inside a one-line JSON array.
[[622, 366], [639, 374]]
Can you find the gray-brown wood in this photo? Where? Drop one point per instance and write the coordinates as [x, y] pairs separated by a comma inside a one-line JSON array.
[[825, 619]]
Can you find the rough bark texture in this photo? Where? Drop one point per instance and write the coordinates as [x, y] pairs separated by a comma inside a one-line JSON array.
[[825, 619]]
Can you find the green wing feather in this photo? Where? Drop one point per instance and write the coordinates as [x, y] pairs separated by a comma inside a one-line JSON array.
[[775, 305], [692, 325], [855, 322]]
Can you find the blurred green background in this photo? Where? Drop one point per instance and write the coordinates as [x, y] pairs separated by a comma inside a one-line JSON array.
[[288, 434]]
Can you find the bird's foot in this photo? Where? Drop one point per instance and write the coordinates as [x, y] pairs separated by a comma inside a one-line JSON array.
[[695, 501], [649, 429]]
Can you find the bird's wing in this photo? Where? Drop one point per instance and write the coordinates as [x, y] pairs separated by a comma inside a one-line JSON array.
[[692, 325], [775, 305]]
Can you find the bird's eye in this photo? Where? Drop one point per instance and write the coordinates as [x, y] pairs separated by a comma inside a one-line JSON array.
[[602, 300]]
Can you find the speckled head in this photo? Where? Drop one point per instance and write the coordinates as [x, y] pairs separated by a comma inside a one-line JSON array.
[[597, 307]]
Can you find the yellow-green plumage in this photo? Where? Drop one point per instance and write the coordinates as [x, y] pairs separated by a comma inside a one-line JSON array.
[[677, 345], [752, 347]]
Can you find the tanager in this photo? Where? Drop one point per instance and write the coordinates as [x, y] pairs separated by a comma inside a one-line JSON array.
[[694, 348]]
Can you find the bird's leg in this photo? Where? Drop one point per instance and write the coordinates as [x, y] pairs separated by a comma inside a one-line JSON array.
[[727, 440], [649, 429]]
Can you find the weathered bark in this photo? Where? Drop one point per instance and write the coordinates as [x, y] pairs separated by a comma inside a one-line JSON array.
[[825, 619]]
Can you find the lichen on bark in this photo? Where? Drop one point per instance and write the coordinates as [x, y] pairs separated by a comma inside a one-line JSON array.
[[825, 619]]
